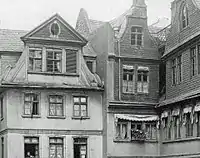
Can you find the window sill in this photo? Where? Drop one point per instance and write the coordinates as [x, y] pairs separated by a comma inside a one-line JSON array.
[[29, 116], [80, 118], [181, 140], [56, 117], [141, 93], [54, 74]]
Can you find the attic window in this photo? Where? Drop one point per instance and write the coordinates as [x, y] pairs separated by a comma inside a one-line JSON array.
[[184, 16], [55, 29]]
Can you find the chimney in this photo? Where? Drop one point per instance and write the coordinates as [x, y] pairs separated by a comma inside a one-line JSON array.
[[139, 3]]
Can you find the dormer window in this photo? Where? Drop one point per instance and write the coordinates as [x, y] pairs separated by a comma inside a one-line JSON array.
[[55, 29], [136, 36], [53, 60], [91, 64], [184, 16]]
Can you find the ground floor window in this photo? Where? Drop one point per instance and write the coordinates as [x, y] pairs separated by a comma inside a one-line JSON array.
[[189, 125], [122, 130], [31, 147], [150, 129], [2, 147], [56, 147], [80, 147]]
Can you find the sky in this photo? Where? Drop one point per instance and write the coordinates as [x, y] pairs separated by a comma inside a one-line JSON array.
[[27, 14]]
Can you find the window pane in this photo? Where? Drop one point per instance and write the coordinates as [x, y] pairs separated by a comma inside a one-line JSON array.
[[139, 29], [139, 87], [59, 109], [125, 77], [38, 65], [145, 77], [139, 77], [59, 151], [145, 87], [50, 55], [52, 110], [57, 65], [83, 100], [130, 77], [30, 64], [76, 113], [59, 99], [76, 99], [133, 29], [57, 55], [52, 151], [27, 109], [49, 66]]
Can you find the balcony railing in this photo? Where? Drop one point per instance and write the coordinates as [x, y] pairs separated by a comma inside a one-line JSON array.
[[138, 135]]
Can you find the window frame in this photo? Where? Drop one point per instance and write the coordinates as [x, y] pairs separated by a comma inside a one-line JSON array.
[[39, 102], [142, 82], [50, 29], [179, 69], [1, 108], [79, 144], [54, 60], [184, 19], [128, 75], [135, 35], [79, 104], [120, 132], [56, 143], [174, 68], [63, 111], [2, 147], [35, 58], [36, 143], [189, 126], [193, 61]]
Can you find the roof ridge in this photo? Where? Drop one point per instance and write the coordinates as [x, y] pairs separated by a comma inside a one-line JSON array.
[[13, 29]]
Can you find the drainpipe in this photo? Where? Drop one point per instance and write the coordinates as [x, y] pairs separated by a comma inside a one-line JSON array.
[[118, 41]]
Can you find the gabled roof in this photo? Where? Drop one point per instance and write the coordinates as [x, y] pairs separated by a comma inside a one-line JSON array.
[[10, 40], [57, 17]]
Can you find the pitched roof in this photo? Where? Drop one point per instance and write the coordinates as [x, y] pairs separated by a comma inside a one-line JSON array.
[[10, 40], [95, 24]]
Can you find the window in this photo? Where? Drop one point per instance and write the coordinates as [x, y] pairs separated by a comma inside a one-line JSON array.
[[56, 148], [184, 16], [2, 108], [136, 36], [199, 59], [142, 82], [165, 127], [177, 132], [56, 105], [189, 125], [179, 68], [31, 104], [55, 29], [150, 129], [31, 147], [173, 71], [193, 61], [198, 123], [2, 147], [128, 79], [80, 147], [80, 107], [35, 59], [71, 61], [121, 130], [90, 65], [54, 57]]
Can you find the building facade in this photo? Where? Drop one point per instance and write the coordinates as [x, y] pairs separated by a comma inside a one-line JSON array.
[[180, 109], [51, 104], [128, 62]]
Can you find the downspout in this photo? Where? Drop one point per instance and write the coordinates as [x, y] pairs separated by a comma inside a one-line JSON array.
[[118, 41]]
